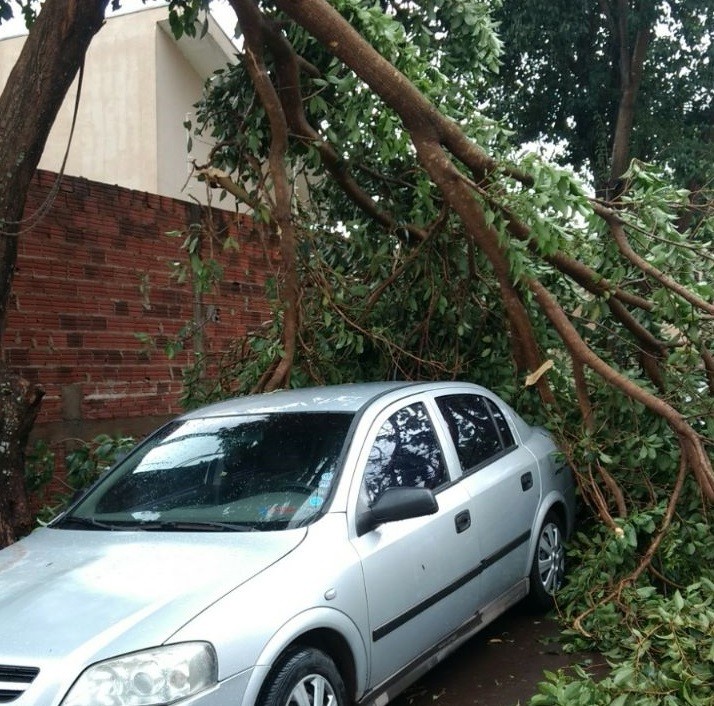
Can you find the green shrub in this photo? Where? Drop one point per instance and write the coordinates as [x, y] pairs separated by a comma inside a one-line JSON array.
[[657, 633], [82, 467]]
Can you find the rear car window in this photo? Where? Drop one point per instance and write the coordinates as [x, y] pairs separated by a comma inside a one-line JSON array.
[[477, 427]]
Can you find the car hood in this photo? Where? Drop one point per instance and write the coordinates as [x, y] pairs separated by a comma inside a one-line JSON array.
[[94, 594]]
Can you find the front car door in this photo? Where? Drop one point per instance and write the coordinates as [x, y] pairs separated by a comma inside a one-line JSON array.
[[414, 568]]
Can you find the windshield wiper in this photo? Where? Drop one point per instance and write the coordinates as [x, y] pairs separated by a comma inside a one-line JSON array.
[[86, 523], [154, 526], [189, 526]]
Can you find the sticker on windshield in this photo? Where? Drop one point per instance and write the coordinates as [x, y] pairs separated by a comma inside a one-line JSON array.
[[316, 501], [270, 512], [146, 516]]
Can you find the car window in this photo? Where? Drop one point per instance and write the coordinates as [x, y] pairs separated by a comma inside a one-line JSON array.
[[477, 427], [262, 471], [501, 424], [406, 453]]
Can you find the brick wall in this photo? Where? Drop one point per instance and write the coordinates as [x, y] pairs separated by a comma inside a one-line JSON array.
[[94, 272]]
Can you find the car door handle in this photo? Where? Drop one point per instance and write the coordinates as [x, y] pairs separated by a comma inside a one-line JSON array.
[[527, 481], [462, 521]]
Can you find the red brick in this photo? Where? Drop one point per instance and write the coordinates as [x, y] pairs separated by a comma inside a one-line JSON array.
[[78, 302]]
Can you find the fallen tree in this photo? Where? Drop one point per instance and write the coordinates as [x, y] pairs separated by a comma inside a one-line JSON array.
[[418, 243], [533, 226]]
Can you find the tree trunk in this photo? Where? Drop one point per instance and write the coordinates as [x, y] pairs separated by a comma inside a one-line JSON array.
[[631, 66], [50, 59], [19, 405]]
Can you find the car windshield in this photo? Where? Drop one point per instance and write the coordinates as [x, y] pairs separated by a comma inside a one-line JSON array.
[[257, 472]]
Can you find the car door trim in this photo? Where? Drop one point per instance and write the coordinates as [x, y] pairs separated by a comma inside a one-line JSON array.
[[388, 627], [383, 693]]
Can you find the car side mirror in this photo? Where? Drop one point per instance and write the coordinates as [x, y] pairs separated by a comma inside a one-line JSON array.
[[397, 504]]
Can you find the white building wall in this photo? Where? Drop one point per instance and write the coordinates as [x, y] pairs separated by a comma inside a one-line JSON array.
[[176, 92], [139, 84]]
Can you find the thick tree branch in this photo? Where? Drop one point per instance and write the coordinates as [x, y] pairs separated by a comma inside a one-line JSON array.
[[617, 230], [250, 20], [693, 450], [630, 66]]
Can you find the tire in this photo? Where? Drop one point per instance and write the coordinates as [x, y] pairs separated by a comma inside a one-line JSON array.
[[304, 677], [548, 568]]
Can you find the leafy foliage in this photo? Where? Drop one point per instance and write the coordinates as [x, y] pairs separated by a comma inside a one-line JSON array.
[[657, 636], [376, 303], [561, 80], [404, 292], [80, 468], [394, 282]]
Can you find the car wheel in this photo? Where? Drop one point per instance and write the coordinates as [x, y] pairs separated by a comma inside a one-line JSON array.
[[305, 677], [548, 568]]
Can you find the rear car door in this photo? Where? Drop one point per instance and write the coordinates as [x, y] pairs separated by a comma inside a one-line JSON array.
[[502, 480], [414, 568]]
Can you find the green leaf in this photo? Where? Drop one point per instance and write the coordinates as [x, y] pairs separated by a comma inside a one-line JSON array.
[[678, 600]]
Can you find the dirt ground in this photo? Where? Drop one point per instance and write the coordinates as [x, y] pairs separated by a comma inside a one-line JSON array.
[[501, 666]]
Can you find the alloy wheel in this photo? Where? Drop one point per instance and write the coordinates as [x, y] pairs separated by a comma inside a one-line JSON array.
[[551, 558], [312, 690]]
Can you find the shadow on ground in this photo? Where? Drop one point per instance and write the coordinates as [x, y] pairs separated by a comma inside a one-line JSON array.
[[501, 666]]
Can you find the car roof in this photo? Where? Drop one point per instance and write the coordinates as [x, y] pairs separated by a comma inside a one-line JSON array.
[[350, 398], [329, 398]]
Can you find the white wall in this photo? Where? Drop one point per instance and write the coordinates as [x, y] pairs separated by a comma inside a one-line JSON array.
[[138, 86], [179, 87]]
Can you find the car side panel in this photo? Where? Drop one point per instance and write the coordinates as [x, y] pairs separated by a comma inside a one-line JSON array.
[[411, 574], [318, 586], [416, 571], [503, 508]]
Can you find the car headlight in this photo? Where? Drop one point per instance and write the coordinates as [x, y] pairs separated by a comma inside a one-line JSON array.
[[149, 678]]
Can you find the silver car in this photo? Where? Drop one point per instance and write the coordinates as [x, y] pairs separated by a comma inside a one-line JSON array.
[[313, 547]]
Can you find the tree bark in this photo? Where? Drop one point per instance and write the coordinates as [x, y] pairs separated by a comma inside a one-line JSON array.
[[631, 65], [38, 83], [19, 405]]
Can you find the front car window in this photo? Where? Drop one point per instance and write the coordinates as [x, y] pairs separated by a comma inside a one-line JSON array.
[[263, 471], [405, 453]]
